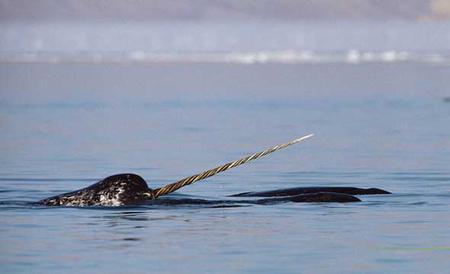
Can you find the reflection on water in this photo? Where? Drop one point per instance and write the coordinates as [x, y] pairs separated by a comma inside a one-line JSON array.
[[65, 126]]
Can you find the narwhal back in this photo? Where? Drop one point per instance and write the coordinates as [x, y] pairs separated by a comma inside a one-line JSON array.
[[115, 190]]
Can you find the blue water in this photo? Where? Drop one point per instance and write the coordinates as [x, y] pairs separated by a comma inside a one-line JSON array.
[[64, 126]]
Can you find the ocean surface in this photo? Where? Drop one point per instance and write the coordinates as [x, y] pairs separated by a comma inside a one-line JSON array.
[[166, 100], [386, 125]]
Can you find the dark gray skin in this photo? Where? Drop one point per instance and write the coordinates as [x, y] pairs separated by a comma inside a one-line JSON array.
[[131, 189], [321, 197], [308, 190]]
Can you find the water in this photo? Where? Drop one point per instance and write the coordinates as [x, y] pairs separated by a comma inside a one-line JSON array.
[[386, 125], [225, 41]]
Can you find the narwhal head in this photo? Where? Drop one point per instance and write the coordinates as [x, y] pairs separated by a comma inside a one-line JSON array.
[[115, 190]]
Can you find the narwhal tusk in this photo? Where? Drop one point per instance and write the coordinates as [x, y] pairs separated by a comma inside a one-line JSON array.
[[192, 179]]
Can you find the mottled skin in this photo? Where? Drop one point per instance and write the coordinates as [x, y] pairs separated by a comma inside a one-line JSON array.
[[116, 190], [131, 189]]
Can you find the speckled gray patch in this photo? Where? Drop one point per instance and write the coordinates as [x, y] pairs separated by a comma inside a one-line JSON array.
[[116, 190]]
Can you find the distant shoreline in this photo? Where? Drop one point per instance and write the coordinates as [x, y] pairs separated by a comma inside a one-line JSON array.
[[285, 10]]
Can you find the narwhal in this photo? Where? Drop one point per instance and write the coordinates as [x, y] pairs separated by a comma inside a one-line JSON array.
[[131, 189]]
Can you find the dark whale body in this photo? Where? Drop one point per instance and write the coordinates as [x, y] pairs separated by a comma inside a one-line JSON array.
[[131, 189], [308, 190], [320, 197]]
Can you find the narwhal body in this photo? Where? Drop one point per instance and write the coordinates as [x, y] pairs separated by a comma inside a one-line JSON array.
[[132, 189], [309, 190]]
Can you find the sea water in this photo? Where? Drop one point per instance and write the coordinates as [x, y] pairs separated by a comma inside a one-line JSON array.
[[80, 103], [65, 126]]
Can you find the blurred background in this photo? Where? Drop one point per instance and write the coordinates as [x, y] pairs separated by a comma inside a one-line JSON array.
[[141, 10], [231, 31], [166, 89]]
